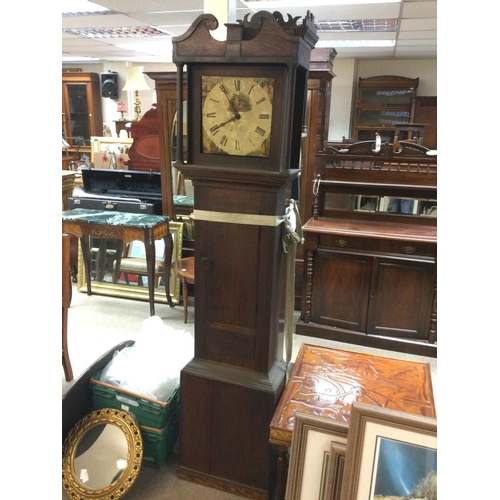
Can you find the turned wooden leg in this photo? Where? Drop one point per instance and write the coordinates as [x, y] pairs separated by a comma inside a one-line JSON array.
[[185, 298], [150, 264], [167, 256]]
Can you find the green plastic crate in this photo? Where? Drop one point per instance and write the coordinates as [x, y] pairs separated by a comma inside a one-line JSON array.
[[149, 412], [158, 445]]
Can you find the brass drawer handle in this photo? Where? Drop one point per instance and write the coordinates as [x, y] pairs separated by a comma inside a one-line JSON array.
[[409, 249], [341, 243]]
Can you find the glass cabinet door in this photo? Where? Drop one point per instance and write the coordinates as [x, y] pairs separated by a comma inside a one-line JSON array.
[[383, 116], [79, 125], [81, 108]]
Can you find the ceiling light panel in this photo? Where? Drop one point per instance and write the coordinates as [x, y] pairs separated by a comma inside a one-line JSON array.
[[359, 25], [128, 32]]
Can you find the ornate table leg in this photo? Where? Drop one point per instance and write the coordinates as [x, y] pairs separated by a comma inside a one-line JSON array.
[[101, 259], [167, 256], [149, 246], [84, 242]]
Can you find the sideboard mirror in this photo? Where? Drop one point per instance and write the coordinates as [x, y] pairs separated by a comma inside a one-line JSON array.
[[357, 202], [102, 455], [102, 283]]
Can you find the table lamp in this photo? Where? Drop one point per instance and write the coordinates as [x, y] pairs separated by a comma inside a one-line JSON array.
[[122, 108], [135, 81]]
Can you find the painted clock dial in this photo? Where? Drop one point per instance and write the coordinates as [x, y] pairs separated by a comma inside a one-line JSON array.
[[237, 115]]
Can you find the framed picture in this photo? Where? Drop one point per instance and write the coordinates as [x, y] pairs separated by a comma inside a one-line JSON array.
[[313, 440], [335, 472], [390, 454]]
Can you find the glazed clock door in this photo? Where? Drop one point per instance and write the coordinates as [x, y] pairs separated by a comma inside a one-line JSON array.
[[241, 117]]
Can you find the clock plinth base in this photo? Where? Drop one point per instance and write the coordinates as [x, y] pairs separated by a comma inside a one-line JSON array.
[[224, 436], [221, 484]]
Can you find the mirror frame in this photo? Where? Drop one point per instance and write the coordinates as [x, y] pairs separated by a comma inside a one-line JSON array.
[[136, 292], [127, 423]]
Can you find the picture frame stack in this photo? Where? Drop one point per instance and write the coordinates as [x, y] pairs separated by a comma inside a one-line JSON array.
[[381, 454]]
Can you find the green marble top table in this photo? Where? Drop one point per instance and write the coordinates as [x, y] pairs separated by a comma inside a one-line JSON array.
[[183, 200], [107, 217], [124, 227]]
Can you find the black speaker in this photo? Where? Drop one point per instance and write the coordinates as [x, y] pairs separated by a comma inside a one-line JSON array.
[[109, 85]]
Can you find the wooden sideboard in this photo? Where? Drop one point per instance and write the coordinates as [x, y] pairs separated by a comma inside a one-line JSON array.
[[370, 271]]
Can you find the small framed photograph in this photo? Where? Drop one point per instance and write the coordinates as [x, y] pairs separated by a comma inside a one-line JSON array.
[[390, 454], [313, 441]]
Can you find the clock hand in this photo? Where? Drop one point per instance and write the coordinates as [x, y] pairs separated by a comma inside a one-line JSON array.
[[236, 116]]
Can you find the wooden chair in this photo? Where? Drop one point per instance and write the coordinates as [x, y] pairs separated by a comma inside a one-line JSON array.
[[66, 298], [184, 269], [130, 264]]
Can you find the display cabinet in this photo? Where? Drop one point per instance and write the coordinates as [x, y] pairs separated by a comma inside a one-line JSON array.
[[383, 101], [424, 110], [81, 108]]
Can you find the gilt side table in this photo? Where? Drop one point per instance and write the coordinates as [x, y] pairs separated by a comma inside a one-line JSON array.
[[126, 227]]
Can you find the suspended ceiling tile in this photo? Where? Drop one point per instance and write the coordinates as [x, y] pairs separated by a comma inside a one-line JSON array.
[[97, 21], [414, 36], [418, 24], [129, 6], [171, 18], [419, 9]]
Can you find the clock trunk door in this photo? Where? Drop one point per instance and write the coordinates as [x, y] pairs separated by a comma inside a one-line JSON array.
[[234, 273]]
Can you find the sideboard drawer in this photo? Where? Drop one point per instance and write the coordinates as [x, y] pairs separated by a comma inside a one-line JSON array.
[[377, 245]]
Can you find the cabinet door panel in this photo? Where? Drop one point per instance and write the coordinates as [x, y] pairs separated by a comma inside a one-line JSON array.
[[347, 277], [227, 269], [401, 298]]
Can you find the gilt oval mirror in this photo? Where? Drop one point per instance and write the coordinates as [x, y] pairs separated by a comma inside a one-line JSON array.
[[102, 455]]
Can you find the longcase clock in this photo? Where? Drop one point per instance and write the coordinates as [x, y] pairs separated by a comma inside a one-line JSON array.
[[246, 103]]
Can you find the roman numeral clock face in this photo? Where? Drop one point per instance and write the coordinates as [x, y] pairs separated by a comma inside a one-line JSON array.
[[237, 115]]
